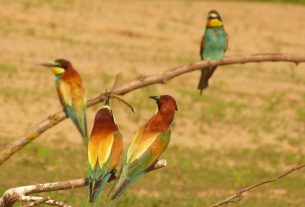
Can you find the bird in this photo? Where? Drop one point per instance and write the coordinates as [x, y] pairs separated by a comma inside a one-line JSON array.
[[148, 144], [71, 93], [213, 45], [104, 151]]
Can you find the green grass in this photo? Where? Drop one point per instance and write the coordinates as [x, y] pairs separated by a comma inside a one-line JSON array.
[[7, 68], [212, 107], [193, 177]]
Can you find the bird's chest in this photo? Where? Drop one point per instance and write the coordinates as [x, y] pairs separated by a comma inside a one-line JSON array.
[[215, 44]]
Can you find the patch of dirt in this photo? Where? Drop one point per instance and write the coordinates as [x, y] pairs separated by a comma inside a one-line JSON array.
[[137, 38]]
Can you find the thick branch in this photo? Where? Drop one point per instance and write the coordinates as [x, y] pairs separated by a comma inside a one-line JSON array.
[[237, 196], [137, 83], [20, 193]]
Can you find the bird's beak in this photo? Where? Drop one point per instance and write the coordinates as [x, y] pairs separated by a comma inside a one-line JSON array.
[[48, 65], [156, 98], [107, 100]]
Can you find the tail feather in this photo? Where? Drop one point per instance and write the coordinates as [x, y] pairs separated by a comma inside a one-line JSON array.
[[96, 187], [122, 185], [118, 183], [81, 125], [206, 74], [120, 189], [79, 119], [112, 203]]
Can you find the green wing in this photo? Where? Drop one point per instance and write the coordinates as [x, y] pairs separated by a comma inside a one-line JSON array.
[[72, 97], [79, 118], [134, 170], [150, 156]]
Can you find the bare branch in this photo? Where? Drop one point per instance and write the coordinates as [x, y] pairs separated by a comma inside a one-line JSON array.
[[21, 193], [237, 196], [137, 83], [35, 201]]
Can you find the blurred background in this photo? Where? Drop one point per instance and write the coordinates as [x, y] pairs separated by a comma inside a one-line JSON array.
[[248, 125]]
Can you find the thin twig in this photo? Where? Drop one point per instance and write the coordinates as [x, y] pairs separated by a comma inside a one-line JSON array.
[[137, 83], [237, 196], [36, 200], [21, 193]]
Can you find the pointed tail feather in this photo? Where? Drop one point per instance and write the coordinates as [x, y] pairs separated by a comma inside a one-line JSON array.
[[112, 203], [83, 131], [122, 185], [117, 184], [206, 74], [119, 189], [96, 187], [79, 119]]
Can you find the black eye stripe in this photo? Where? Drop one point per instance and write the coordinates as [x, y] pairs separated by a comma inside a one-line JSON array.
[[211, 18], [63, 66], [159, 104]]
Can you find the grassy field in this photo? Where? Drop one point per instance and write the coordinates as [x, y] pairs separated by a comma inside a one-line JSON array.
[[249, 125], [277, 1]]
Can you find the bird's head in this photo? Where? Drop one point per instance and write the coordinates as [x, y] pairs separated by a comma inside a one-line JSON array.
[[104, 117], [59, 66], [165, 103], [105, 113], [214, 19]]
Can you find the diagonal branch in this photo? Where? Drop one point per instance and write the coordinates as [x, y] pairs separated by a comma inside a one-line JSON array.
[[137, 83], [21, 193], [237, 196]]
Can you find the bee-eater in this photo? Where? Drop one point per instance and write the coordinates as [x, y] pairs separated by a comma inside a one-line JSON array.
[[71, 93], [212, 47], [104, 150], [146, 146]]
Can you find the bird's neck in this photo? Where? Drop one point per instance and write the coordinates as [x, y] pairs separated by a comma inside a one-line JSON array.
[[57, 78], [161, 121]]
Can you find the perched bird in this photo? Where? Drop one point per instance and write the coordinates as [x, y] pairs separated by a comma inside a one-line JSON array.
[[104, 150], [71, 94], [146, 146], [212, 47]]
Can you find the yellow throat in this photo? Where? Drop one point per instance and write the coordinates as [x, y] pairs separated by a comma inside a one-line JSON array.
[[214, 23], [58, 71]]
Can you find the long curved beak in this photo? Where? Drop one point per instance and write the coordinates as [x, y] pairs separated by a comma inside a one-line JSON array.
[[156, 98], [47, 64], [107, 100]]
